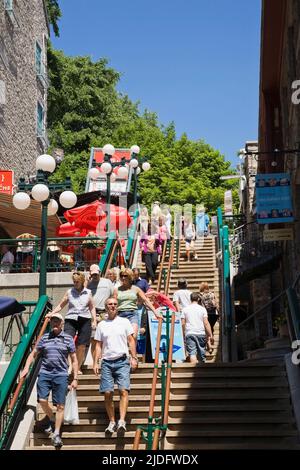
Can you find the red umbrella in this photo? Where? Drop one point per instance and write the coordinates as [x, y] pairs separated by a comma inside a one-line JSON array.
[[93, 217]]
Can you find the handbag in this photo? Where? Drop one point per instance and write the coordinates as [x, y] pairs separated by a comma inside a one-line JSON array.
[[71, 415]]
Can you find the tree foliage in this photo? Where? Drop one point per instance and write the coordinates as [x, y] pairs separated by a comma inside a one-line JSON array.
[[85, 110], [54, 14]]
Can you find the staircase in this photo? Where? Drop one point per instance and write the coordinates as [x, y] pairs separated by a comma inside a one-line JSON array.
[[202, 269], [212, 406]]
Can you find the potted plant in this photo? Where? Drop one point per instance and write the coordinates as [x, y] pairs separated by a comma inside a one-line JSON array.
[[92, 248], [280, 323]]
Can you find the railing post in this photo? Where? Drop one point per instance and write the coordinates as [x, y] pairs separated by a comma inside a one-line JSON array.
[[227, 301], [294, 310]]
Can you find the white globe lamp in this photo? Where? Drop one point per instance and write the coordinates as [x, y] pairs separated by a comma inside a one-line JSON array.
[[123, 172], [135, 149], [134, 163], [138, 170], [146, 166], [46, 163], [40, 192], [52, 207], [108, 149], [68, 199], [106, 167], [21, 201], [94, 173]]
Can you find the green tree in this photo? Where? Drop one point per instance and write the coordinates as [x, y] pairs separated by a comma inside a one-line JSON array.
[[54, 14], [85, 110]]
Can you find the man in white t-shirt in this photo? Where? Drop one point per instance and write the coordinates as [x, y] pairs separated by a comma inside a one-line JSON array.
[[114, 339], [197, 329], [182, 296]]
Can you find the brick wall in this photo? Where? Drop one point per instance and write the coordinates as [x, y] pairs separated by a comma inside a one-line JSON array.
[[20, 89]]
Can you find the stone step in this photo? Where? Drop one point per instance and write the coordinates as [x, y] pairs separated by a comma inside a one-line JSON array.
[[205, 444], [179, 387], [277, 342], [99, 421]]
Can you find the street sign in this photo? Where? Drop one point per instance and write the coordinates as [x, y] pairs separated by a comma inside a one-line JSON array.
[[228, 202], [229, 177], [6, 181], [178, 345], [278, 235]]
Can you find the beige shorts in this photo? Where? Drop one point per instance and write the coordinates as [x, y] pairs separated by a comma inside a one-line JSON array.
[[189, 244]]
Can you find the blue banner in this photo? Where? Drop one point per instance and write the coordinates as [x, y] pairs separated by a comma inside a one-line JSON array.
[[273, 198], [178, 345]]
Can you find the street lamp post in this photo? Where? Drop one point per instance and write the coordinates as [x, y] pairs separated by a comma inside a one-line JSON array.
[[40, 191], [135, 162]]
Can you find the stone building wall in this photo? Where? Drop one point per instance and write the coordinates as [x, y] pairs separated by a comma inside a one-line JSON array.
[[290, 125], [20, 86]]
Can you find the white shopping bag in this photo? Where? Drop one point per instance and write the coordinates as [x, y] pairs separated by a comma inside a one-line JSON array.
[[71, 408]]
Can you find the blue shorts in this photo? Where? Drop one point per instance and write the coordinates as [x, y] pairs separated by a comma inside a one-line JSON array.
[[131, 315], [113, 372], [57, 383], [195, 346]]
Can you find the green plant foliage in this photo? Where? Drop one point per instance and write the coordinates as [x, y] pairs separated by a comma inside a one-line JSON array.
[[85, 110], [54, 14]]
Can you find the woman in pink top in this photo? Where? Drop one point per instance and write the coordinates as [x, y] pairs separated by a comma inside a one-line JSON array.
[[151, 246]]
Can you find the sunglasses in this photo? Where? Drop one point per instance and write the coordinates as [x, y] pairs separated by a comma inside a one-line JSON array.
[[123, 275], [115, 305]]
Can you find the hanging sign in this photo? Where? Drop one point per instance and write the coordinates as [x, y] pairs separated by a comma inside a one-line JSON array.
[[178, 345], [6, 181], [273, 198]]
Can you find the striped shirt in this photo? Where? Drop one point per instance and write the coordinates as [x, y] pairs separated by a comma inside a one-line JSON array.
[[54, 350]]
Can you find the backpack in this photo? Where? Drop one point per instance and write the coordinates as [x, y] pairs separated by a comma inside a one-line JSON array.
[[208, 300]]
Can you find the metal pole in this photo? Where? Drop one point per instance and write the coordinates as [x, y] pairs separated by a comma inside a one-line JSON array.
[[135, 186], [43, 258], [108, 204]]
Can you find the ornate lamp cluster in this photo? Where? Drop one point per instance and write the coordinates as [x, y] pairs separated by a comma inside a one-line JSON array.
[[40, 191]]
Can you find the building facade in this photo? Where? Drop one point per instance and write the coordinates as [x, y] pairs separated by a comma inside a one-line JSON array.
[[279, 114], [24, 33]]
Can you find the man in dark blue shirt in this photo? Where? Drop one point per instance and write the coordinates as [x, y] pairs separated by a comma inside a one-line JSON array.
[[138, 281], [54, 348]]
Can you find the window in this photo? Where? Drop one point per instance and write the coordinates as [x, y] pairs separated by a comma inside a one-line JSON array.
[[9, 8], [8, 5], [38, 58], [40, 120], [40, 67]]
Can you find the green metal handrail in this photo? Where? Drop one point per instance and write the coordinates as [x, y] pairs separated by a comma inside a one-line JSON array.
[[227, 305], [159, 426], [8, 417]]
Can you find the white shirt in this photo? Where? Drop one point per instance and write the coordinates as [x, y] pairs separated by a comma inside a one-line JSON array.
[[8, 258], [194, 315], [113, 334], [183, 296]]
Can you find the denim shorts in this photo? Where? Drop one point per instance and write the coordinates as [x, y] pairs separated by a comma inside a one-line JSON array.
[[57, 383], [195, 346], [113, 372], [131, 315]]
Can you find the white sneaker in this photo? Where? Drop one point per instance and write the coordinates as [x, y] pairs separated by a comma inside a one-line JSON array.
[[110, 428], [121, 426]]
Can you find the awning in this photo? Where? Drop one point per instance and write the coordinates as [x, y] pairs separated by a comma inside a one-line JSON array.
[[14, 221]]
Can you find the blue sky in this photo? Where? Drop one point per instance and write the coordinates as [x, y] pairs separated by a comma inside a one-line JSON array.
[[194, 62]]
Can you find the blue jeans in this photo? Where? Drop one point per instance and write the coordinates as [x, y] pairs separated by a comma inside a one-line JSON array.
[[195, 346], [115, 371], [131, 315], [57, 383]]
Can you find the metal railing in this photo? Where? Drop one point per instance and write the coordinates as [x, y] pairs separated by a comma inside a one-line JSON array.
[[10, 410], [265, 322], [156, 428], [63, 254], [12, 328]]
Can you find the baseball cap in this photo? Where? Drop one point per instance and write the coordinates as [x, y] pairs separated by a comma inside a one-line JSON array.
[[57, 315], [94, 269]]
